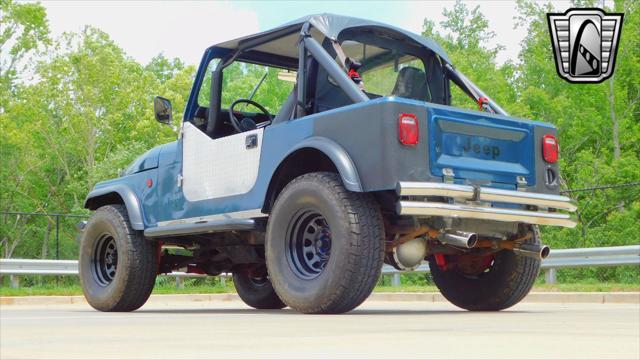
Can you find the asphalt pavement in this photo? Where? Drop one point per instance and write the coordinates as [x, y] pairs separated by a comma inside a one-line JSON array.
[[377, 329]]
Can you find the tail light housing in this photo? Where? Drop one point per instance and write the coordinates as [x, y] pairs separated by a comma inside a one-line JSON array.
[[408, 129], [550, 148]]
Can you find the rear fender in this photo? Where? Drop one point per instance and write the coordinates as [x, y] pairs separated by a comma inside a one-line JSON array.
[[338, 156]]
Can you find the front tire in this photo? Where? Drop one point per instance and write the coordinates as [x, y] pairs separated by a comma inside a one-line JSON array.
[[505, 281], [118, 266], [324, 245]]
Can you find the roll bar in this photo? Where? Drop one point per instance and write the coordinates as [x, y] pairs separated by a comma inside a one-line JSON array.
[[471, 89]]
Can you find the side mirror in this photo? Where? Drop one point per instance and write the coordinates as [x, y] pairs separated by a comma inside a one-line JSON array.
[[162, 108]]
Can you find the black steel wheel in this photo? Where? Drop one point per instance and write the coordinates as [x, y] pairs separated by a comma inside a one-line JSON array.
[[104, 261], [324, 245], [118, 265], [308, 244]]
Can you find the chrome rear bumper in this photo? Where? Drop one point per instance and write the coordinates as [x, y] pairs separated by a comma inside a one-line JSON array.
[[470, 199]]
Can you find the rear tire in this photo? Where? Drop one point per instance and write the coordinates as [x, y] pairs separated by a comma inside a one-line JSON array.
[[507, 281], [118, 265], [324, 245], [256, 292]]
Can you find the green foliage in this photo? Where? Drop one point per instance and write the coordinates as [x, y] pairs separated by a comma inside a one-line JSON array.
[[83, 111], [24, 30], [239, 81], [87, 116]]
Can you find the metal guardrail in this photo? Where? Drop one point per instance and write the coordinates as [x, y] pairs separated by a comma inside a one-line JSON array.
[[563, 258], [560, 258], [573, 258], [53, 267]]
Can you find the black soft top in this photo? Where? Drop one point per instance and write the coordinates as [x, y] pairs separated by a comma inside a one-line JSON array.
[[282, 40]]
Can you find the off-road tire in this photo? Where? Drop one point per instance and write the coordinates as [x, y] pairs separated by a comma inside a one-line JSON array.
[[257, 294], [356, 255], [136, 266], [508, 281]]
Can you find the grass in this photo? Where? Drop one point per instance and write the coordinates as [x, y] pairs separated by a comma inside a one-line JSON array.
[[170, 288], [68, 290], [603, 287], [42, 290]]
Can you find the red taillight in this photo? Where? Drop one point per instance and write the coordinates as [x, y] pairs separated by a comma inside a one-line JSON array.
[[408, 129], [550, 148]]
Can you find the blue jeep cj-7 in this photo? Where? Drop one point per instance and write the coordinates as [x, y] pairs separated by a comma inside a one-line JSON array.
[[361, 160]]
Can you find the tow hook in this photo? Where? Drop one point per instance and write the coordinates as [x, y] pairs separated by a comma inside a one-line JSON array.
[[81, 225]]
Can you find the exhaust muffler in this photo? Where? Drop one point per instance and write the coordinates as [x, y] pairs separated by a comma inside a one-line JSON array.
[[461, 239]]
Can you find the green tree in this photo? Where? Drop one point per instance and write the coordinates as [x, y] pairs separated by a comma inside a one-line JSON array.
[[24, 31], [471, 45], [89, 114]]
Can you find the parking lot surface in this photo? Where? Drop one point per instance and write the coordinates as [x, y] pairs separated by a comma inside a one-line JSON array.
[[377, 329]]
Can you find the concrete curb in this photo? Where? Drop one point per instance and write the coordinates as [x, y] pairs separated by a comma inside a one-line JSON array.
[[534, 297]]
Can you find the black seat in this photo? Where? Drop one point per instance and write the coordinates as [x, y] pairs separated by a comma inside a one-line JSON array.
[[328, 95], [412, 84]]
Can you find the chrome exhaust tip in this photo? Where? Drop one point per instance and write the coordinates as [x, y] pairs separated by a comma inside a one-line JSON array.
[[459, 238], [538, 252], [545, 251]]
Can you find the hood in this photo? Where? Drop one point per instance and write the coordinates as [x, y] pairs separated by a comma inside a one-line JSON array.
[[146, 161]]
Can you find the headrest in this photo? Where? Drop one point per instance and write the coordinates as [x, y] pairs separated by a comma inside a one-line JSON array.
[[411, 83]]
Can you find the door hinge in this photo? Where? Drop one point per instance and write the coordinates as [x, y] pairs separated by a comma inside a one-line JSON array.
[[181, 131]]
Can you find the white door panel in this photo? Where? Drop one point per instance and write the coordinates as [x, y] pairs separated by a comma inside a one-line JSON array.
[[218, 168]]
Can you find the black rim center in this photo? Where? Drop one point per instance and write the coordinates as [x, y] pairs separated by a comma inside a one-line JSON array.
[[104, 260], [308, 244]]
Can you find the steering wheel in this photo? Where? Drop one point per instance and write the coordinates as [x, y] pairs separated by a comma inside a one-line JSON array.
[[246, 124]]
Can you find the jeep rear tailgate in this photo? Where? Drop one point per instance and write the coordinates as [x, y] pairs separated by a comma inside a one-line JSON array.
[[481, 147]]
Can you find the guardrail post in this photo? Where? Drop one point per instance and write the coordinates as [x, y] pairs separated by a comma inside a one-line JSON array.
[[223, 281], [14, 282], [179, 282], [57, 244], [395, 280], [550, 276], [57, 237]]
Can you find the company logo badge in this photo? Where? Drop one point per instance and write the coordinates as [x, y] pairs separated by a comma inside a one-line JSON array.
[[585, 43]]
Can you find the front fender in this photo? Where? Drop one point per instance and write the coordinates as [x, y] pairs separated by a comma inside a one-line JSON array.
[[338, 156], [101, 196]]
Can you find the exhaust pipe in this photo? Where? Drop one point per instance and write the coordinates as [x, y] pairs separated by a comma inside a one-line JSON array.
[[537, 252], [461, 239]]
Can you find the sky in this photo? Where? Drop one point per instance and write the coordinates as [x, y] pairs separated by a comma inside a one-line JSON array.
[[184, 29]]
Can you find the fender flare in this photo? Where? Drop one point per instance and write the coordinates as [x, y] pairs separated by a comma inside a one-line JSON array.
[[128, 197], [339, 157]]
